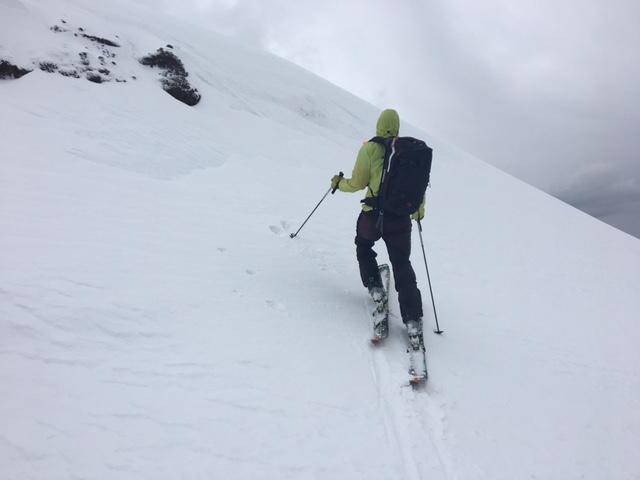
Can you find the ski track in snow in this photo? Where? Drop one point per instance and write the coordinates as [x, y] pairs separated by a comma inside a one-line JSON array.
[[408, 413]]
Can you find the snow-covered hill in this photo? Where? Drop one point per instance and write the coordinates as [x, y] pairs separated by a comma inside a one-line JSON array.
[[156, 321]]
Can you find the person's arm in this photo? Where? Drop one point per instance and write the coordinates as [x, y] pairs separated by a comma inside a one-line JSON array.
[[360, 175]]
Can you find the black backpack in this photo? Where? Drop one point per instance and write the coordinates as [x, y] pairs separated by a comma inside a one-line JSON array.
[[405, 176]]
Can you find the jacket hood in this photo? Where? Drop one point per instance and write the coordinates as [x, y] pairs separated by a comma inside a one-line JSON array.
[[388, 124]]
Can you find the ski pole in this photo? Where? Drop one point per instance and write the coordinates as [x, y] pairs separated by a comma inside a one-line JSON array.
[[332, 190], [437, 330]]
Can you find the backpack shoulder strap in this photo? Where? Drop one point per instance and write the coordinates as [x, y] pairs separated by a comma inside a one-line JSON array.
[[383, 142], [380, 141], [387, 143]]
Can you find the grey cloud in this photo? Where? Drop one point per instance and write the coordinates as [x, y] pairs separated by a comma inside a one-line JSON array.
[[604, 192], [543, 89]]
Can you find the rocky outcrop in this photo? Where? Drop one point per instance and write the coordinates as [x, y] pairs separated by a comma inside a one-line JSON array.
[[173, 76]]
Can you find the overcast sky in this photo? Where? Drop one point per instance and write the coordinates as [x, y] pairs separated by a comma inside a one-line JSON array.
[[546, 90]]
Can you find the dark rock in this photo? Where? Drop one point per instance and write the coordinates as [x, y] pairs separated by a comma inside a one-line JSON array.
[[100, 40], [57, 29], [166, 61], [84, 59], [48, 67], [95, 78], [104, 71], [169, 45], [9, 70], [69, 73], [174, 80], [184, 92]]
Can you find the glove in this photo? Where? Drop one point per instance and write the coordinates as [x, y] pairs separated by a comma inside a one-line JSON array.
[[335, 181], [419, 215]]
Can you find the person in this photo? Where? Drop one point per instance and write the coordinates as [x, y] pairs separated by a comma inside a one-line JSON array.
[[396, 231]]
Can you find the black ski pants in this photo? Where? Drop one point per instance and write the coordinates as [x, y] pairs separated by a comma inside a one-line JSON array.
[[396, 233]]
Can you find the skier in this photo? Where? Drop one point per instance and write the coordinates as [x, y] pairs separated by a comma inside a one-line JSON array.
[[393, 229]]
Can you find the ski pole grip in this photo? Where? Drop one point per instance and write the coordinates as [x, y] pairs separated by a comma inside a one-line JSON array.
[[341, 175]]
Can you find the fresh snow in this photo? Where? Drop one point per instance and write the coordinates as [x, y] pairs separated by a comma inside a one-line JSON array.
[[157, 322]]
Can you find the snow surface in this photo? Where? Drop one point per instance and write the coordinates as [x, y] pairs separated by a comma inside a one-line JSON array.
[[156, 320]]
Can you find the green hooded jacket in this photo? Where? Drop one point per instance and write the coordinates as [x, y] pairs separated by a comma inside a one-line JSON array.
[[367, 171]]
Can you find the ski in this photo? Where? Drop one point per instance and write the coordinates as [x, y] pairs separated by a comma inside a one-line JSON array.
[[380, 313], [417, 357], [380, 325]]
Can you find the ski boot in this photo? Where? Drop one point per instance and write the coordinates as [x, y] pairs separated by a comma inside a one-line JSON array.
[[414, 331], [378, 289]]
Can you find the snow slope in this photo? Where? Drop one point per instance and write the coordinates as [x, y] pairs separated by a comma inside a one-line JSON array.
[[156, 321]]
